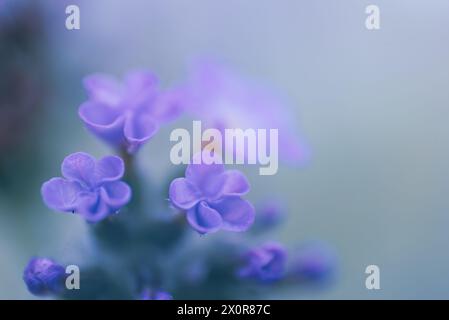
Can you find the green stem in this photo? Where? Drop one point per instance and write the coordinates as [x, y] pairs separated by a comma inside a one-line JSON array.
[[131, 176]]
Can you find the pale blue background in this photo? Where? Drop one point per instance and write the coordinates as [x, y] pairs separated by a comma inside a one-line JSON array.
[[374, 107]]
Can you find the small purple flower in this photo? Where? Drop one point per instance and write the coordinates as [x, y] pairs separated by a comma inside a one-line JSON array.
[[269, 215], [314, 261], [148, 294], [44, 276], [90, 188], [266, 263], [127, 114], [224, 99], [211, 196]]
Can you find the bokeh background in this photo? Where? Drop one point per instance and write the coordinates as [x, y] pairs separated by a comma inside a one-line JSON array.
[[373, 106]]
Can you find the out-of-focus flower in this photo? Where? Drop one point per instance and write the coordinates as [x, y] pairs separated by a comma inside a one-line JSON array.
[[211, 196], [314, 261], [269, 215], [44, 276], [148, 294], [224, 100], [195, 271], [90, 188], [266, 263], [23, 74], [128, 114]]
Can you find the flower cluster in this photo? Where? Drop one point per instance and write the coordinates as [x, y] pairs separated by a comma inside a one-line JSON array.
[[146, 252]]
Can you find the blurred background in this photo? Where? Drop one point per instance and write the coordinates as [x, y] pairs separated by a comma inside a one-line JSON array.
[[373, 106]]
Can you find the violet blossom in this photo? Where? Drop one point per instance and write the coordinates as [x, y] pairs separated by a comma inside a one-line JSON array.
[[211, 197], [128, 114], [89, 188], [44, 276], [226, 100], [266, 263]]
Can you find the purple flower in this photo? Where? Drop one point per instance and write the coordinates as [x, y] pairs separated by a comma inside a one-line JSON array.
[[314, 261], [266, 263], [211, 196], [148, 294], [224, 100], [90, 188], [269, 215], [128, 114], [44, 276]]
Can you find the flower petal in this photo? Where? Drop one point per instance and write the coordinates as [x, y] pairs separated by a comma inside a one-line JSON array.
[[80, 167], [43, 276], [60, 194], [138, 129], [206, 177], [141, 89], [109, 168], [204, 219], [103, 88], [137, 81], [183, 194], [91, 207], [235, 183], [116, 194], [275, 268], [266, 263], [255, 260], [168, 105], [238, 214], [103, 121]]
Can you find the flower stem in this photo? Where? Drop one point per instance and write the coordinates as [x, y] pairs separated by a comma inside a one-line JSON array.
[[132, 177]]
